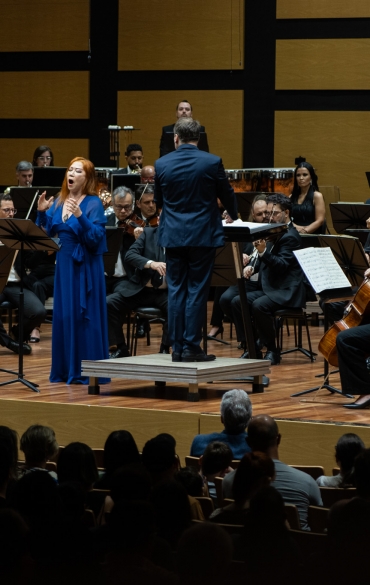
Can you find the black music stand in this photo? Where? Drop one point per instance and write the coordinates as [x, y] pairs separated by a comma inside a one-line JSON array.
[[124, 180], [25, 199], [349, 216], [350, 256], [52, 176], [23, 234]]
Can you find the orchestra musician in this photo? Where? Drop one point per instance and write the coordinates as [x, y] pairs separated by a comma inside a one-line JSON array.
[[258, 214], [188, 182], [280, 281], [24, 174], [146, 208], [147, 174], [123, 206], [134, 157], [353, 348], [183, 110]]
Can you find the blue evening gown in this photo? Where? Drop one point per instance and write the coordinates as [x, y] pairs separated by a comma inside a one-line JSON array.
[[80, 330]]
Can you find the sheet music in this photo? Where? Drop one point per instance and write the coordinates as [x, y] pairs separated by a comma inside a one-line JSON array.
[[321, 269], [241, 223]]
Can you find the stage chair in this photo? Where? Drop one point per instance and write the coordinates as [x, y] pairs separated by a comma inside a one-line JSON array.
[[292, 516], [313, 470], [150, 314], [300, 317], [207, 506], [9, 308], [99, 458], [332, 495], [318, 519]]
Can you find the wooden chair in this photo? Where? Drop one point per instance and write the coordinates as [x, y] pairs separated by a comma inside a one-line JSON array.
[[191, 461], [335, 471], [332, 495], [99, 458], [219, 493], [207, 506], [231, 528], [313, 470], [292, 516], [309, 543], [88, 519], [318, 519]]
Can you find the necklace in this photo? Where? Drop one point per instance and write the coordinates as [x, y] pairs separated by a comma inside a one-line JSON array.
[[66, 216]]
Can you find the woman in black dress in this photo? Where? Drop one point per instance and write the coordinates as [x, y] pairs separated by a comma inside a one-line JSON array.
[[308, 213]]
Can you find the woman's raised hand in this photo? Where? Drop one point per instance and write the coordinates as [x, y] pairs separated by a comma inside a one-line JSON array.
[[43, 204]]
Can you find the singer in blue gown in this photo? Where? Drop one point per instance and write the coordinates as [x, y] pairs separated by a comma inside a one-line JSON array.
[[80, 330]]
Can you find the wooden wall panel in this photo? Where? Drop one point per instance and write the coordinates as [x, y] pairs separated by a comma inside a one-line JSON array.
[[13, 150], [335, 143], [92, 424], [323, 64], [221, 112], [45, 25], [44, 94], [322, 9], [163, 35]]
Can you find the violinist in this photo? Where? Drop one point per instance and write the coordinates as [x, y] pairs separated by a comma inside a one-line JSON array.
[[146, 209], [123, 206], [353, 347], [280, 281]]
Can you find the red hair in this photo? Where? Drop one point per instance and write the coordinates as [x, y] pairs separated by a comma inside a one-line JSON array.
[[89, 187]]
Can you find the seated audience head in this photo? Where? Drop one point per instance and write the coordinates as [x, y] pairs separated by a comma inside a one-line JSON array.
[[172, 507], [120, 449], [10, 437], [184, 109], [134, 156], [43, 157], [132, 525], [186, 130], [362, 474], [263, 435], [35, 496], [6, 206], [304, 173], [236, 411], [191, 480], [267, 511], [76, 462], [130, 483], [255, 470], [147, 174], [159, 457], [204, 555], [346, 450], [14, 548], [123, 202], [216, 460], [39, 445], [145, 201], [24, 173], [279, 208]]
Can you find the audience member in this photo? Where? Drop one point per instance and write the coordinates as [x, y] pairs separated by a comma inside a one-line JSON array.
[[204, 555], [7, 465], [236, 412], [39, 445], [172, 508], [159, 458], [16, 565], [296, 487], [215, 462], [346, 450], [255, 470], [192, 481], [119, 450]]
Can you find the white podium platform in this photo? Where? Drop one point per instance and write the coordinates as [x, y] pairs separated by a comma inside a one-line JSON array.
[[160, 369]]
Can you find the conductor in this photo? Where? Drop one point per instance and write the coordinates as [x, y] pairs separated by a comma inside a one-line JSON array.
[[187, 184]]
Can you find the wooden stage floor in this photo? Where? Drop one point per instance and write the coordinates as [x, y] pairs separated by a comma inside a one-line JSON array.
[[294, 374]]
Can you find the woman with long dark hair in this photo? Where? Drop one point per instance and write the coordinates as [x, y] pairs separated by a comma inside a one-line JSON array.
[[80, 330], [43, 157], [308, 213]]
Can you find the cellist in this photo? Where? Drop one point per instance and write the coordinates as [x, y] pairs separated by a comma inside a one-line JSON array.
[[353, 347]]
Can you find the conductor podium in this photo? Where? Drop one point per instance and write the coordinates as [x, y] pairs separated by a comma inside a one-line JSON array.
[[160, 368]]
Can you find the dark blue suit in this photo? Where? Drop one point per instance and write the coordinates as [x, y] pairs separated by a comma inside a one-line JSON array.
[[187, 184]]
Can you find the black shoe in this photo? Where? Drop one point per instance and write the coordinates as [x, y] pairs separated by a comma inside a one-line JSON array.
[[245, 355], [176, 357], [119, 353], [358, 405], [191, 356], [14, 346], [164, 348], [273, 356]]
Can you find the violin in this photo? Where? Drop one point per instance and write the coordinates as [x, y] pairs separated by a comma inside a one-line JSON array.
[[134, 221], [357, 312]]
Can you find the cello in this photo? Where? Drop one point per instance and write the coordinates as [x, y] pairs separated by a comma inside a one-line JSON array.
[[357, 313]]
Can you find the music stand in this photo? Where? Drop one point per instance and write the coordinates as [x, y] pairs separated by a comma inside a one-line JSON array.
[[24, 199], [362, 235], [348, 216], [53, 176], [23, 234], [124, 180], [350, 256], [114, 242]]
